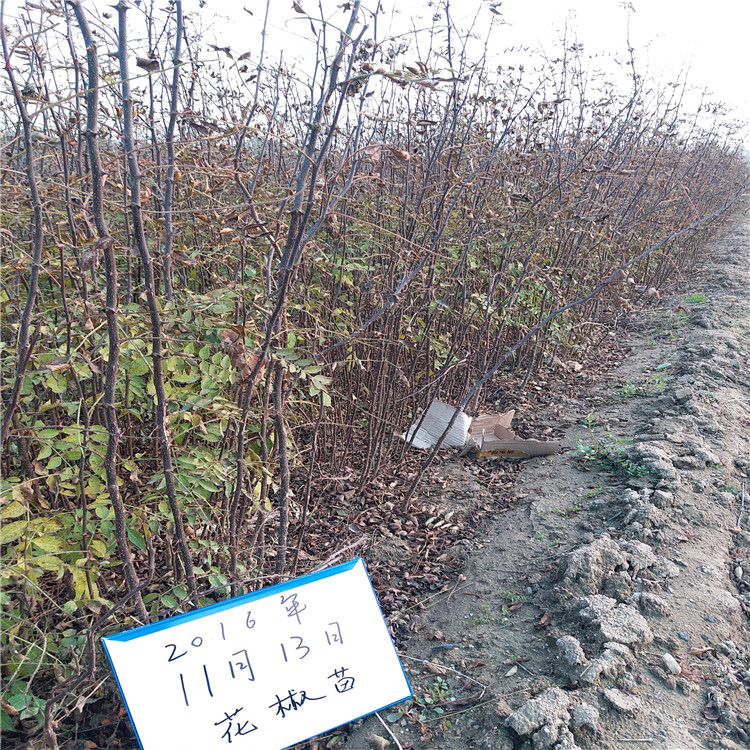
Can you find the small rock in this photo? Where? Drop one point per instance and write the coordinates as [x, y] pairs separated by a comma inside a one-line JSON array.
[[664, 568], [613, 661], [662, 498], [650, 604], [503, 709], [619, 586], [685, 686], [570, 650], [593, 607], [584, 570], [657, 463], [671, 664], [683, 636], [623, 624], [622, 702], [683, 395], [584, 716], [548, 708], [668, 679], [627, 681], [546, 737], [640, 556], [738, 572]]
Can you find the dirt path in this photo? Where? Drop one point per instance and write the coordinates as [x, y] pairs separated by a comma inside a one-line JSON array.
[[609, 607]]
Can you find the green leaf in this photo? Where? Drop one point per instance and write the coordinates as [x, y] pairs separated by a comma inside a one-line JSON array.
[[98, 547], [103, 511], [217, 579], [168, 601], [56, 384], [50, 562], [50, 544], [6, 721], [137, 539], [13, 510], [11, 531]]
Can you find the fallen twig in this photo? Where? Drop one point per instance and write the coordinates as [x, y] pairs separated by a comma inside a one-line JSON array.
[[388, 729]]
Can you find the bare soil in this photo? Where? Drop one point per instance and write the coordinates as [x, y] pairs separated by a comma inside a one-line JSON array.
[[607, 606]]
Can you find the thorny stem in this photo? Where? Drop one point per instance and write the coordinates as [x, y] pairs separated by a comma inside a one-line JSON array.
[[156, 325], [25, 341], [105, 243], [169, 230]]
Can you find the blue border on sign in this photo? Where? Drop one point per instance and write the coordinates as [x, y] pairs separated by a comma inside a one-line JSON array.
[[169, 622], [154, 627]]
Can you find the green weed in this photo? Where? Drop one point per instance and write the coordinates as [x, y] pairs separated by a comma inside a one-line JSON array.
[[591, 421], [654, 385], [511, 597], [605, 456], [425, 708], [569, 510], [485, 617], [671, 322]]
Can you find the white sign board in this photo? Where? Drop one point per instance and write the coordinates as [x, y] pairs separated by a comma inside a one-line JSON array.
[[262, 671]]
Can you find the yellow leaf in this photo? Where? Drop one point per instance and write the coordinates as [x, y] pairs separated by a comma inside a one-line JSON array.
[[13, 510], [11, 531], [81, 586], [50, 562], [50, 544], [98, 547]]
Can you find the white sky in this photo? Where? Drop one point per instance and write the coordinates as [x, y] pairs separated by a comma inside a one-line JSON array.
[[709, 39]]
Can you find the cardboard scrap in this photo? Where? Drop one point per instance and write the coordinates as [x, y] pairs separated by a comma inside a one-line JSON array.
[[432, 425], [491, 435], [485, 435]]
